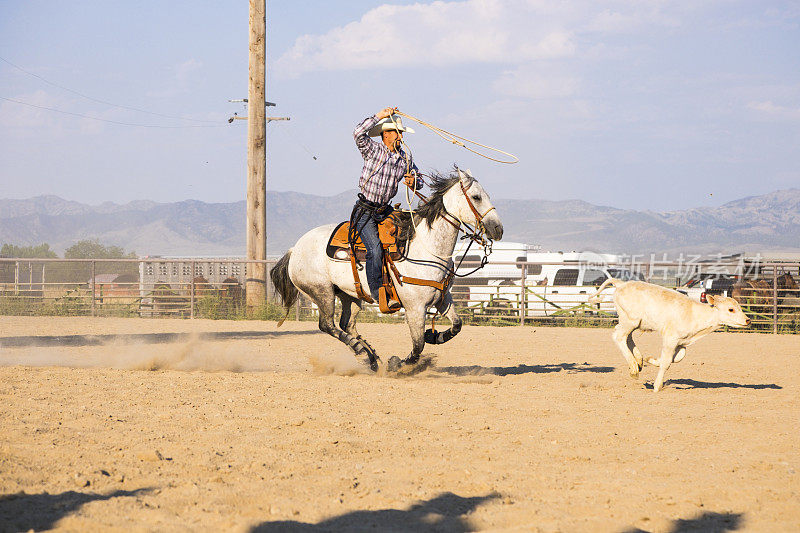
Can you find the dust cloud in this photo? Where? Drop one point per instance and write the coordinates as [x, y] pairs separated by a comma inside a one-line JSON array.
[[192, 355], [339, 362]]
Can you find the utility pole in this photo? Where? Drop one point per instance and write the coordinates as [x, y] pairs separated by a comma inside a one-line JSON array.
[[256, 286]]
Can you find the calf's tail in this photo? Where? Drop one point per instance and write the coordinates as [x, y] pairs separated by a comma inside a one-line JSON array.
[[595, 298], [283, 284]]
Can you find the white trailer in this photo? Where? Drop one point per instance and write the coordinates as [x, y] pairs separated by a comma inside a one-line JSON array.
[[544, 283]]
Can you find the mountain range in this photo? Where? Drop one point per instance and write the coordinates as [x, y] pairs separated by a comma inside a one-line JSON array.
[[770, 222]]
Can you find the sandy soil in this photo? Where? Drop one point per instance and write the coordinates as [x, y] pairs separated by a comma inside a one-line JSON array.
[[181, 425]]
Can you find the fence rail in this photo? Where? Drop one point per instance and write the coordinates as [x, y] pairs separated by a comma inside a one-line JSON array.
[[214, 288]]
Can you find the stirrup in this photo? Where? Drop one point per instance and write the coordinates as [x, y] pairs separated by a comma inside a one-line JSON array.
[[387, 305]]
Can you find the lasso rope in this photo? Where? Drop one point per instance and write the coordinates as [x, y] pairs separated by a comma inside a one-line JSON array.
[[461, 141], [407, 152]]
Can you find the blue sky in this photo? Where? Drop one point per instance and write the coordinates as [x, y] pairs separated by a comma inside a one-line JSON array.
[[658, 105]]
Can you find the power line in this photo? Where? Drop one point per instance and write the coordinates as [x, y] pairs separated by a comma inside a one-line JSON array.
[[105, 120], [102, 101]]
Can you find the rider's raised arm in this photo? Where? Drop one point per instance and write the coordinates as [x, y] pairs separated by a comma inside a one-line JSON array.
[[365, 145]]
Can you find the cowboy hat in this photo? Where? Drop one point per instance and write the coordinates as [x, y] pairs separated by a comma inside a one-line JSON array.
[[387, 124]]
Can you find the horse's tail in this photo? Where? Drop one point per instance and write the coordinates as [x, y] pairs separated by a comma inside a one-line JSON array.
[[283, 284], [595, 298]]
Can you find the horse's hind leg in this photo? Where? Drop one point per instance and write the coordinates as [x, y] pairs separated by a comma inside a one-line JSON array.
[[326, 301], [347, 322], [350, 309]]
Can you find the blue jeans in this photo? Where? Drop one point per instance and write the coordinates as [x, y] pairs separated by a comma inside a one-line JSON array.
[[367, 228]]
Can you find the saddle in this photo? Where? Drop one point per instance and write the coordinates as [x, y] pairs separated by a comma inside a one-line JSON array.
[[338, 247], [394, 247]]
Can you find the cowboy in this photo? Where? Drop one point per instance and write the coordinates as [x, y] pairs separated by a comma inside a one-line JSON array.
[[385, 164]]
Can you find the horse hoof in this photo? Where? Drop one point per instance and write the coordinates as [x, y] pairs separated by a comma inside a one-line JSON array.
[[394, 364], [411, 360], [431, 336], [373, 365]]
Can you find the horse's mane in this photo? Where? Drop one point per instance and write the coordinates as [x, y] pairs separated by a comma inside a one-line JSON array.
[[434, 207]]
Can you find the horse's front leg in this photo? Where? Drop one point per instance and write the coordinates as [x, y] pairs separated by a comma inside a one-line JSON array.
[[416, 325], [446, 308], [415, 317]]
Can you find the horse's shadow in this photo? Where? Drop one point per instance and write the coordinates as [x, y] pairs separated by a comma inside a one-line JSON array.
[[705, 523], [23, 512], [442, 513], [477, 370], [694, 384]]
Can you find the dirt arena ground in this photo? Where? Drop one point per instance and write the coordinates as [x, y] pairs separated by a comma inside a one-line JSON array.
[[131, 424]]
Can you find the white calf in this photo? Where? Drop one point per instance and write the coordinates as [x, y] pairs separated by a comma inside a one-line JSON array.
[[680, 320]]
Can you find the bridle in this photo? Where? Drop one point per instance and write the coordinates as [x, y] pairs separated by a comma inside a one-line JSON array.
[[477, 234], [478, 217]]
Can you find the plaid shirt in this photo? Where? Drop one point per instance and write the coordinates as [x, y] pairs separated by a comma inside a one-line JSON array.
[[383, 169]]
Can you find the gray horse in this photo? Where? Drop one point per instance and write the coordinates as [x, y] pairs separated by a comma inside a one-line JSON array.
[[455, 198]]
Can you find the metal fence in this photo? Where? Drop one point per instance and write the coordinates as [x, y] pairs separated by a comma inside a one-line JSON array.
[[534, 294]]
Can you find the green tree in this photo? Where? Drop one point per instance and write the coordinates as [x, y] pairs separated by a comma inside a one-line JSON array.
[[93, 249], [26, 271], [41, 251]]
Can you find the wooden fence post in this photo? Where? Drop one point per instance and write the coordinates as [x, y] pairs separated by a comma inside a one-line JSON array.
[[774, 299], [93, 286], [523, 295], [191, 296]]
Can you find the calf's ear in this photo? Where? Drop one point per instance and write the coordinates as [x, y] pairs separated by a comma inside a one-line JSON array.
[[710, 299]]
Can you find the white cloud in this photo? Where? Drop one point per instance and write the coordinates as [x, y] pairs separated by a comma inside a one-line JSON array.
[[441, 33], [183, 70], [471, 31], [180, 82], [529, 81], [775, 111], [42, 115]]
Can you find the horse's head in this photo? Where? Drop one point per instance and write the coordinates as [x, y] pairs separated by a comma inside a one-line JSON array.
[[468, 201]]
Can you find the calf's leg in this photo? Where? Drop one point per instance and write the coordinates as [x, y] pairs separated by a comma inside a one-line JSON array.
[[668, 350], [622, 332], [680, 354], [637, 355]]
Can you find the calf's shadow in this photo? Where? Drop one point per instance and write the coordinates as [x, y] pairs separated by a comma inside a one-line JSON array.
[[477, 370], [694, 384]]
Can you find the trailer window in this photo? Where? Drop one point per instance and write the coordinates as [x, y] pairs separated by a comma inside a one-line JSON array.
[[594, 277], [534, 270], [625, 275], [566, 276]]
